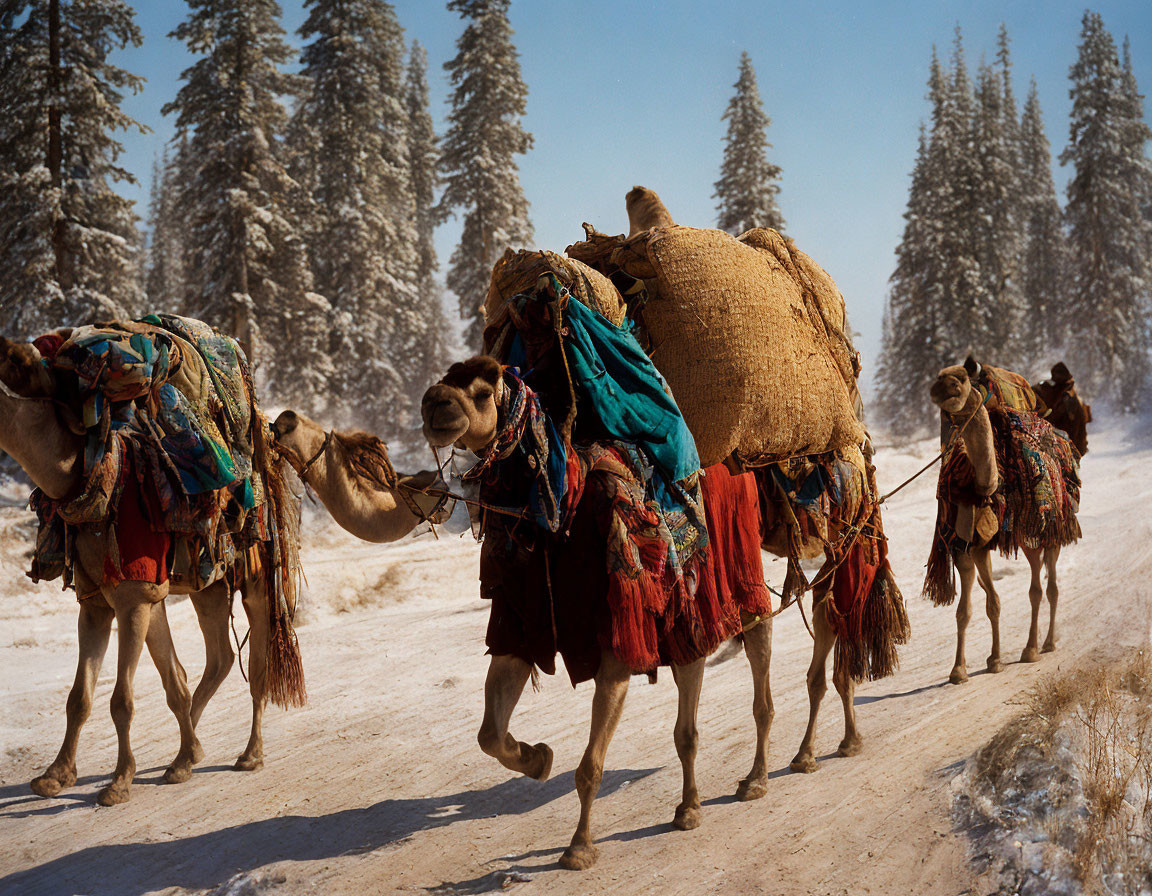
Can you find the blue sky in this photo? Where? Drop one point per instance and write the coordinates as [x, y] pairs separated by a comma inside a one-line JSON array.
[[627, 93]]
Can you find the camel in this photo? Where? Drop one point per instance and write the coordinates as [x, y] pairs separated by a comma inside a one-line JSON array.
[[354, 480], [464, 409], [1068, 411], [977, 528], [45, 439]]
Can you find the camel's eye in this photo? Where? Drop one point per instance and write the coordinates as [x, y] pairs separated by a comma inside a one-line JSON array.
[[484, 393]]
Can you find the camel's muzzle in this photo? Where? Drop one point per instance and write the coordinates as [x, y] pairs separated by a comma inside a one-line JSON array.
[[444, 418]]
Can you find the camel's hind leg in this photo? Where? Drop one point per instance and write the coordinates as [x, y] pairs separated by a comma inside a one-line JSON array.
[[1051, 555], [175, 680], [607, 705], [824, 640], [213, 606], [758, 646], [133, 603], [93, 628], [688, 681], [966, 567], [255, 599], [983, 560], [507, 676], [852, 743], [1031, 652]]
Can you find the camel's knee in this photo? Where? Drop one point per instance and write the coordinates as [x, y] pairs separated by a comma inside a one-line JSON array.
[[687, 740], [79, 705], [490, 740], [763, 713], [588, 777], [122, 706]]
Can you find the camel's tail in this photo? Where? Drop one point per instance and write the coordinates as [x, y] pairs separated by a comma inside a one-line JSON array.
[[281, 572]]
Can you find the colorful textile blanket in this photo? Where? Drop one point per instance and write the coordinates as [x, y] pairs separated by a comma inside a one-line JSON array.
[[167, 410], [1004, 388], [1034, 504]]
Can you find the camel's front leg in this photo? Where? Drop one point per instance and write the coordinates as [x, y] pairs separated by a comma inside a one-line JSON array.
[[824, 639], [133, 603], [1031, 652], [94, 627], [688, 682], [966, 567], [175, 681], [982, 557], [507, 676], [758, 646], [255, 600], [852, 743], [607, 704], [212, 610], [1051, 555]]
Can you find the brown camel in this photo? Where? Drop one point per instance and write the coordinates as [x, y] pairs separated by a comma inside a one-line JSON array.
[[43, 438], [464, 409], [354, 480], [1067, 410], [976, 527]]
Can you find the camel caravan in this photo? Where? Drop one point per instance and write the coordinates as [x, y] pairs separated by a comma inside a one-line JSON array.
[[651, 411]]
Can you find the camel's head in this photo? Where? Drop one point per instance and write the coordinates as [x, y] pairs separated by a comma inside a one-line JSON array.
[[951, 389], [22, 372], [298, 436], [464, 407]]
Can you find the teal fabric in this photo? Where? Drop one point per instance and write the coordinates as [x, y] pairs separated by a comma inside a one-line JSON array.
[[627, 391]]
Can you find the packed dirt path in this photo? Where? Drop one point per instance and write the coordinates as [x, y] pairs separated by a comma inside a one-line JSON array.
[[378, 786]]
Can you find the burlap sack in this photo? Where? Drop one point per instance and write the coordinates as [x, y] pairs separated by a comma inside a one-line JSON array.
[[745, 354], [518, 272]]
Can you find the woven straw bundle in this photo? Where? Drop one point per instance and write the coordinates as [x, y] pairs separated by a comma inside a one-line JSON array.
[[745, 350], [519, 272]]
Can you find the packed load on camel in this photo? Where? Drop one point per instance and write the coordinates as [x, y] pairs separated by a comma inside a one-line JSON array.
[[177, 465]]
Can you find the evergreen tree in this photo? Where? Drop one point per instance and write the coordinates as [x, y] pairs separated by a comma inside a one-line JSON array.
[[1107, 327], [244, 257], [484, 137], [69, 245], [1044, 257], [423, 162], [348, 146], [164, 281], [748, 184], [908, 357]]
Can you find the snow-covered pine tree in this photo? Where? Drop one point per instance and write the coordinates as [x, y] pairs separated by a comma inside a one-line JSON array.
[[68, 242], [348, 149], [1108, 328], [908, 357], [423, 166], [478, 159], [749, 183], [998, 225], [1045, 256], [164, 282], [1138, 136], [243, 254]]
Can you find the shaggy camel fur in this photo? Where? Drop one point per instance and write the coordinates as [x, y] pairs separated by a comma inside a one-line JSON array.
[[370, 508], [463, 409], [44, 440], [976, 526]]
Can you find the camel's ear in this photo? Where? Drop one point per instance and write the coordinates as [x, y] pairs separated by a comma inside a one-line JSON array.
[[972, 367], [286, 423]]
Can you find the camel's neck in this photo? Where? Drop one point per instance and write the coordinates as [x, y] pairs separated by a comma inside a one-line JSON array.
[[367, 513], [978, 442], [48, 452]]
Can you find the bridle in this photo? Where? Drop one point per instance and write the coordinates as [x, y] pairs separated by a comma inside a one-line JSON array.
[[302, 472], [16, 396]]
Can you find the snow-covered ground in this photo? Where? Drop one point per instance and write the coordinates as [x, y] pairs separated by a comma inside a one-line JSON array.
[[378, 785]]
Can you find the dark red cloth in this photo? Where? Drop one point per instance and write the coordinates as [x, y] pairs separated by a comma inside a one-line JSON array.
[[143, 551], [732, 576]]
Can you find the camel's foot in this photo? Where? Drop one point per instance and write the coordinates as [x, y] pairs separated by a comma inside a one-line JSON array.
[[249, 762], [1049, 646], [850, 746], [541, 767], [197, 752], [579, 857], [687, 817], [115, 794], [1030, 655], [994, 664], [805, 763], [53, 781], [959, 675], [751, 789], [178, 772]]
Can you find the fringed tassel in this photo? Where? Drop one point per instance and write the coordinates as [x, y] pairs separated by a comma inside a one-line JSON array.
[[884, 625], [940, 577], [634, 639]]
